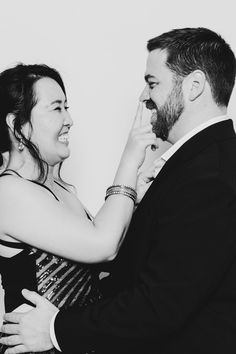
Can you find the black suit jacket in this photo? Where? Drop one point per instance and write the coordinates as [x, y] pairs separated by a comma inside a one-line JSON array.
[[172, 287]]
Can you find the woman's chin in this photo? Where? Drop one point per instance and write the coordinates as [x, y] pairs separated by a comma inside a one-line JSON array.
[[65, 155], [64, 151], [60, 157]]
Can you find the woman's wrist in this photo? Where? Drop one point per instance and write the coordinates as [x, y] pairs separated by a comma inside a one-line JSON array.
[[121, 189], [126, 175], [130, 162]]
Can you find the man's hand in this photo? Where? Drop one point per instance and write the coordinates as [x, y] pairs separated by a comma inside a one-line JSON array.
[[29, 331]]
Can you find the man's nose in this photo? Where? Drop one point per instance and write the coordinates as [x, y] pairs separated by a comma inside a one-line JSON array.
[[144, 95]]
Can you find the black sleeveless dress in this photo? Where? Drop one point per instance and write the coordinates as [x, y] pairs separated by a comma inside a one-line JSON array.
[[61, 281]]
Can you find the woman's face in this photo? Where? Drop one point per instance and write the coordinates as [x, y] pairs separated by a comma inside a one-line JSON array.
[[51, 121]]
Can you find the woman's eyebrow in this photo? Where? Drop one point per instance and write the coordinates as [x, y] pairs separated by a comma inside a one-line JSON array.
[[57, 101]]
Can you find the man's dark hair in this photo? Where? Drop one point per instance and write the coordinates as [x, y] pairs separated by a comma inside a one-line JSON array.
[[190, 49]]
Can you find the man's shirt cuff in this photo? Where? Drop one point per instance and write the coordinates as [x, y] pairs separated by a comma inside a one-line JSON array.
[[52, 333]]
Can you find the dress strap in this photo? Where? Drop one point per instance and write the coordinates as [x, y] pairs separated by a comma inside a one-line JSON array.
[[61, 186], [88, 215], [30, 180], [5, 174], [42, 185], [18, 245], [9, 169]]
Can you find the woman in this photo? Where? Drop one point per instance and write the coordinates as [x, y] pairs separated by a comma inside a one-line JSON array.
[[42, 223]]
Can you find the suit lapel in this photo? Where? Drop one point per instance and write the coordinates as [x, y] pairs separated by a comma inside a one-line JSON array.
[[214, 133], [137, 241]]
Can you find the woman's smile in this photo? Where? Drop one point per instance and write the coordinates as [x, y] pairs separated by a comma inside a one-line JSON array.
[[64, 138]]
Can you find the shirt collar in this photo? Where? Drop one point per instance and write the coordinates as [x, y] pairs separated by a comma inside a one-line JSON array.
[[167, 155]]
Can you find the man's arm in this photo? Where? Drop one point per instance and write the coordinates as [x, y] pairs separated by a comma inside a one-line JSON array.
[[29, 331], [193, 243]]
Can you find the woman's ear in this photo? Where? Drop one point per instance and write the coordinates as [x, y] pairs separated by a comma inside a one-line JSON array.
[[197, 81], [10, 120]]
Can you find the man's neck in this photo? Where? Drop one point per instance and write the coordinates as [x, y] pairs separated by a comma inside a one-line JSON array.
[[188, 122]]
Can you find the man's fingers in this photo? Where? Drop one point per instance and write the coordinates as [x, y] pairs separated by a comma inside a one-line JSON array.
[[138, 116], [11, 340], [10, 328], [32, 296], [13, 317], [16, 350], [24, 308]]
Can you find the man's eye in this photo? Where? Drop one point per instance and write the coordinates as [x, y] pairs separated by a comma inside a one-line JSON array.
[[66, 107], [151, 85]]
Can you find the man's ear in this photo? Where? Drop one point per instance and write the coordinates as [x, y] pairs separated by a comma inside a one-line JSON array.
[[10, 120], [197, 81]]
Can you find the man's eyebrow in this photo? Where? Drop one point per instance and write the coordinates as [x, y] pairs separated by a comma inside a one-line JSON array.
[[148, 77]]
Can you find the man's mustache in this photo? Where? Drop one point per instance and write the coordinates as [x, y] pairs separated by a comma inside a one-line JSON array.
[[150, 104]]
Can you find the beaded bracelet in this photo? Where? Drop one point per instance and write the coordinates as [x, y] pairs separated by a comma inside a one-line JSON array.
[[122, 189]]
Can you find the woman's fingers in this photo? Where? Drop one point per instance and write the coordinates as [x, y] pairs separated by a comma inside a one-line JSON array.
[[145, 137], [138, 117], [143, 128]]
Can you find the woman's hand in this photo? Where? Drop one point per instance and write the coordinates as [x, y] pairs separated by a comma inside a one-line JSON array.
[[145, 178], [144, 181], [140, 138]]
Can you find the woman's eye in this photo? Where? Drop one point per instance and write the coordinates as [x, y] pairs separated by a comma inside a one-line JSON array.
[[59, 109]]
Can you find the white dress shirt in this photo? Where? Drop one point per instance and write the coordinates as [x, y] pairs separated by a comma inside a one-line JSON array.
[[165, 157], [190, 134]]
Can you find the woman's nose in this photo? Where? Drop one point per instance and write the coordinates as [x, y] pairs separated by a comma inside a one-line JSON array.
[[68, 120]]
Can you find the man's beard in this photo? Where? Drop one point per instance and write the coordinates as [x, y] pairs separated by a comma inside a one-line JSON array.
[[164, 117]]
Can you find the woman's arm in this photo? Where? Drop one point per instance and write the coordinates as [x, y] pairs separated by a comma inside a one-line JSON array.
[[30, 215]]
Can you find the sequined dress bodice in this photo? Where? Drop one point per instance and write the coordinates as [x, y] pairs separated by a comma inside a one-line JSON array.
[[64, 282], [61, 281]]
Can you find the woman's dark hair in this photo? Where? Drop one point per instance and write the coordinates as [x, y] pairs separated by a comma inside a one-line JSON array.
[[17, 96], [189, 49]]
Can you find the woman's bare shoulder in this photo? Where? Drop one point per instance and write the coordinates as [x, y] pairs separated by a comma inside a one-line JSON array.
[[16, 187], [9, 181]]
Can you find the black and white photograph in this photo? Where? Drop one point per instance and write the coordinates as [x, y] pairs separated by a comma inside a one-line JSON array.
[[117, 177]]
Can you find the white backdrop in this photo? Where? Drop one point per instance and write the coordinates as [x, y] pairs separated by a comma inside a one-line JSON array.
[[99, 47]]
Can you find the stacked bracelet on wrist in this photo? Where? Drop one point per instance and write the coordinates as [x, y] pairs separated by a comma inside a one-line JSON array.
[[122, 189]]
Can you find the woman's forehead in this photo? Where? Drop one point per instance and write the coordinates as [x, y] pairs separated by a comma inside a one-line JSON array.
[[47, 89]]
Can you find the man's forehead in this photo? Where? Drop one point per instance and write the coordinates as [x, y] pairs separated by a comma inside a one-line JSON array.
[[155, 62]]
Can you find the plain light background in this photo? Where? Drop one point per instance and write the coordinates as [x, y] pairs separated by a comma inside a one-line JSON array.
[[99, 47]]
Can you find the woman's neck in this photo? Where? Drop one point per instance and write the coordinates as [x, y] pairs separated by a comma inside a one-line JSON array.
[[28, 168]]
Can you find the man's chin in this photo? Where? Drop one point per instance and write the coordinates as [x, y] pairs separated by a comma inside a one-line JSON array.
[[161, 135]]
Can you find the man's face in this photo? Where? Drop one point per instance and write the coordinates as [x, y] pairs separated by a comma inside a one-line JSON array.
[[162, 94]]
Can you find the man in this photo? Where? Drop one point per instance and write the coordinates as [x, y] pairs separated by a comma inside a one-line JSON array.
[[172, 287]]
